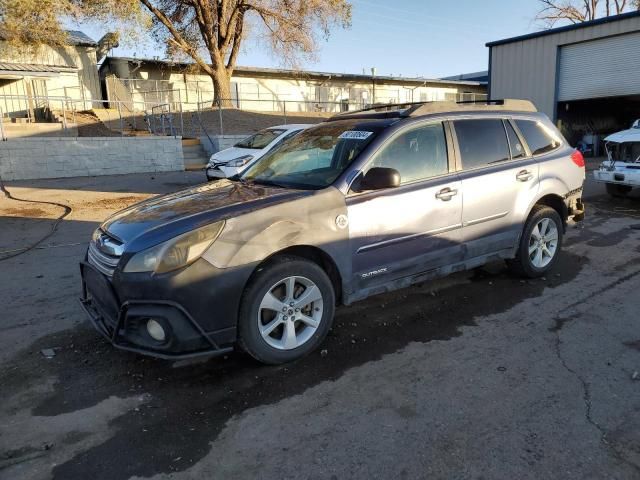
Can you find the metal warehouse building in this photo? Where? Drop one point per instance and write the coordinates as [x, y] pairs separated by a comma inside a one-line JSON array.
[[586, 77]]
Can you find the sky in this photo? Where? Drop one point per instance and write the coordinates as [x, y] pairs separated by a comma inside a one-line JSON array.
[[423, 38]]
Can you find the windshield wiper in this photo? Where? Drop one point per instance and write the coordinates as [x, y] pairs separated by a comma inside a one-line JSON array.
[[269, 183]]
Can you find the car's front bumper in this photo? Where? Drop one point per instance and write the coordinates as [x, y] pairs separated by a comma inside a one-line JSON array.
[[196, 306], [222, 171], [627, 176], [214, 173]]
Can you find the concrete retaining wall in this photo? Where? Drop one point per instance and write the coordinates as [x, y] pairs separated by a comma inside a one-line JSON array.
[[220, 142], [53, 157]]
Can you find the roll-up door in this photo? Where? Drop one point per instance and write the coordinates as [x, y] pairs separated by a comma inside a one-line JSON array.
[[606, 67]]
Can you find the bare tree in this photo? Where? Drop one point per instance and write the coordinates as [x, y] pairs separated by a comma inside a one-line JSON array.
[[578, 11], [210, 32]]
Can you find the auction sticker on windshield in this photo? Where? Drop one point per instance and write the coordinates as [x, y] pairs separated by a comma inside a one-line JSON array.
[[355, 134]]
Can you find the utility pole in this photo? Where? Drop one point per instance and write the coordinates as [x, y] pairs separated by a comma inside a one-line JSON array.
[[373, 83]]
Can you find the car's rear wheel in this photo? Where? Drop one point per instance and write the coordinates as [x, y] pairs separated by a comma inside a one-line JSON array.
[[617, 190], [287, 310], [540, 243]]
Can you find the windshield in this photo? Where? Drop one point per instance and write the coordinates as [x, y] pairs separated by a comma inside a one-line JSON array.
[[314, 158], [261, 139]]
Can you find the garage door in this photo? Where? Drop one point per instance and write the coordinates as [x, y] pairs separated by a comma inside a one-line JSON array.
[[600, 68]]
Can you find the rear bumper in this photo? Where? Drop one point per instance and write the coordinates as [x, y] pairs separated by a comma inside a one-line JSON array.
[[575, 206], [196, 307], [577, 211]]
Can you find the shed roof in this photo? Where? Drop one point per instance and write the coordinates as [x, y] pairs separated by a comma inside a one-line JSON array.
[[566, 28], [353, 77], [32, 68], [80, 39], [74, 37]]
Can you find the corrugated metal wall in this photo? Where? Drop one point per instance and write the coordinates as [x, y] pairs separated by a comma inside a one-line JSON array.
[[527, 69]]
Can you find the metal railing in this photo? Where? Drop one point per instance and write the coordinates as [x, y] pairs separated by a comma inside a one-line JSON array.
[[119, 116], [204, 118]]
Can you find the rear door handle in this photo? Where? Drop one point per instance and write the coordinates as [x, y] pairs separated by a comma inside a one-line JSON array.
[[524, 176], [446, 193]]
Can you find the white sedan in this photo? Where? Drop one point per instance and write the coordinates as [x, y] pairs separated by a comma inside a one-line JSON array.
[[231, 161]]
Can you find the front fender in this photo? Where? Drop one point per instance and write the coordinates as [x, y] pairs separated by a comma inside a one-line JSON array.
[[305, 221]]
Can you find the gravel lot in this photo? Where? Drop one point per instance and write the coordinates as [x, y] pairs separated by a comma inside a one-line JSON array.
[[480, 375]]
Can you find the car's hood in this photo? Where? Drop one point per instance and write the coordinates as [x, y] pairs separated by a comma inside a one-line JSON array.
[[158, 219], [234, 152], [631, 135]]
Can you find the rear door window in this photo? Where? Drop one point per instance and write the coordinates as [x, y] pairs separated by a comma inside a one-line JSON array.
[[481, 142], [539, 138]]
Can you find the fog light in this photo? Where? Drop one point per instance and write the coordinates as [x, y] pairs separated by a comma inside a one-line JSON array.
[[156, 331]]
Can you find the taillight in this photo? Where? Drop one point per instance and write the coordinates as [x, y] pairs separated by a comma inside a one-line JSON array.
[[577, 158]]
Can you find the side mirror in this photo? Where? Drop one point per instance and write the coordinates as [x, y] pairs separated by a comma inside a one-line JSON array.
[[379, 178]]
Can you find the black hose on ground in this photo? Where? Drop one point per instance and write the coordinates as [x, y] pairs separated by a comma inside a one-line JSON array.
[[54, 227]]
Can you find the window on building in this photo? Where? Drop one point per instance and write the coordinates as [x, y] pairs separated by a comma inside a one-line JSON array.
[[539, 138], [481, 142], [517, 149], [417, 154]]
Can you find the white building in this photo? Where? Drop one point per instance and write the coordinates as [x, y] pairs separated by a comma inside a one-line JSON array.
[[140, 81], [33, 82]]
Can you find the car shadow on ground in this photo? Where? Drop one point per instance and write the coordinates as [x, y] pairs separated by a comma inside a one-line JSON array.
[[188, 403]]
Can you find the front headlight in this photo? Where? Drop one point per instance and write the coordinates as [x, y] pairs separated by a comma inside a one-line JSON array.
[[175, 253], [240, 161]]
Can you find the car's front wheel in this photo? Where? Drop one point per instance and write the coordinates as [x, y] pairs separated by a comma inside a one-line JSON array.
[[287, 310], [540, 243]]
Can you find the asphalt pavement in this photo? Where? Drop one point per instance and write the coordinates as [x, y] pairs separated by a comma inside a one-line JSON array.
[[481, 375]]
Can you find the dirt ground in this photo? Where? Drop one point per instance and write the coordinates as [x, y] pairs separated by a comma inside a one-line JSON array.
[[479, 375]]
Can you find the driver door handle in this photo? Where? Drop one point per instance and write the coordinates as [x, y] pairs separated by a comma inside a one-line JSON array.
[[446, 194], [524, 176]]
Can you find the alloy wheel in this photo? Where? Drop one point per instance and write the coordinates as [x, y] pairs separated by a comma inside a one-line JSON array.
[[290, 312], [543, 243]]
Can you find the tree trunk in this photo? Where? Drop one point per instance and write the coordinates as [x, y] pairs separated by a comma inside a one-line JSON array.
[[222, 88]]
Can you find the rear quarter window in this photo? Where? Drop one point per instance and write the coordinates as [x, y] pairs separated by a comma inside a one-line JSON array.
[[539, 138]]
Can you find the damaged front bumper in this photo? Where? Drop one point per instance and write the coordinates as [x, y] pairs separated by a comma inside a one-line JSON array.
[[124, 322], [619, 174]]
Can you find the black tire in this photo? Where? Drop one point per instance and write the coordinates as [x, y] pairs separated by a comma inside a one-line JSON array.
[[249, 337], [522, 264], [616, 190]]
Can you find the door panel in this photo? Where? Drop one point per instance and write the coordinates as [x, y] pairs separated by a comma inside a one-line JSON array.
[[412, 228], [404, 232], [501, 180], [492, 202]]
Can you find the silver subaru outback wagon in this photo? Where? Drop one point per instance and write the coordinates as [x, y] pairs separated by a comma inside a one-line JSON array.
[[363, 203]]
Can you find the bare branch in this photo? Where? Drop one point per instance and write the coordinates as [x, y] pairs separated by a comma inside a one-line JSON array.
[[578, 11], [177, 40]]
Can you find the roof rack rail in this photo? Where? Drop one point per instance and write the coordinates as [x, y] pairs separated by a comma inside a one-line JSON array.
[[506, 104], [415, 109], [382, 107]]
